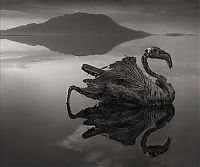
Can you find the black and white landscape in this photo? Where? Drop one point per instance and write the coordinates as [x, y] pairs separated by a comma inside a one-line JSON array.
[[43, 46], [78, 34]]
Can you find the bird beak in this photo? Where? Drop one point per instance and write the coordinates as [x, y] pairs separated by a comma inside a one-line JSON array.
[[166, 56]]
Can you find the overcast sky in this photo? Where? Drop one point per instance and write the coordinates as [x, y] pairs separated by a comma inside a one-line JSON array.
[[154, 16]]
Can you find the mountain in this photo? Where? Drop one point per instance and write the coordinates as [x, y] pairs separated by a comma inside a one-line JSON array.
[[74, 24], [175, 34]]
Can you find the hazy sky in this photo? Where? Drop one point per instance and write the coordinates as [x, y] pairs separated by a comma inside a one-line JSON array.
[[154, 16]]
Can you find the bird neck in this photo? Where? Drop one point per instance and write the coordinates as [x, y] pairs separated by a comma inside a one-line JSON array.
[[149, 71], [161, 81]]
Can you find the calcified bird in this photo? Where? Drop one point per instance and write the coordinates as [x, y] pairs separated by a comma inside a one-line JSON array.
[[123, 82]]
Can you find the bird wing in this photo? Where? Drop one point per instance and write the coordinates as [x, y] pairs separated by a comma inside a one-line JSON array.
[[131, 79], [128, 70]]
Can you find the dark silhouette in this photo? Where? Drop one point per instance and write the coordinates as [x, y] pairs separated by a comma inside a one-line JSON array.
[[79, 34], [125, 123], [77, 23], [80, 45], [175, 34], [124, 82]]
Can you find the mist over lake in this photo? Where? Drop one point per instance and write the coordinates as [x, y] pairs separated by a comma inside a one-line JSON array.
[[36, 129]]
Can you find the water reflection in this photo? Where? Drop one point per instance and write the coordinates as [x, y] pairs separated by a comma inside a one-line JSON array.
[[124, 124], [77, 45], [36, 132]]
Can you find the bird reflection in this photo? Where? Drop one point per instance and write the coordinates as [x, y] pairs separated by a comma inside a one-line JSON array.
[[125, 123]]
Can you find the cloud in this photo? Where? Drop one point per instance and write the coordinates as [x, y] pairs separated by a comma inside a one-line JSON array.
[[144, 5], [93, 156], [177, 15], [99, 155], [75, 141]]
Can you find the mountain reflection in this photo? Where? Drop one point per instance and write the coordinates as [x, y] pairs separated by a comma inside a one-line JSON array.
[[77, 45], [124, 124]]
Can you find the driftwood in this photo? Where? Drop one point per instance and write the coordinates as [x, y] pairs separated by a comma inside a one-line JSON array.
[[124, 124], [123, 82]]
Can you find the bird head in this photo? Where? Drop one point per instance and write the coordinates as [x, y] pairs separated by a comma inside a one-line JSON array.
[[155, 151], [157, 53]]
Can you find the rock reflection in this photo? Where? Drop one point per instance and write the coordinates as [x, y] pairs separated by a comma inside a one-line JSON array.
[[77, 45], [124, 124]]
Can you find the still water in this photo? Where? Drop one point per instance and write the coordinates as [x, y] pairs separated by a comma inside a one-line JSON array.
[[36, 129]]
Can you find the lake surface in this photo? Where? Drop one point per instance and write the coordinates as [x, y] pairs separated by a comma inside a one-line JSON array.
[[36, 129]]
